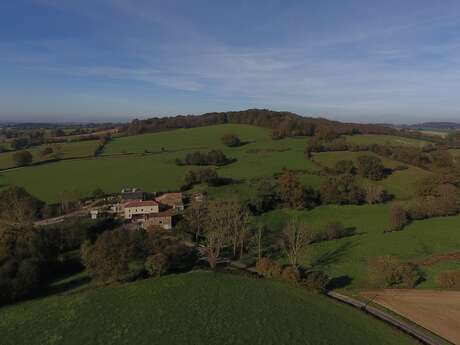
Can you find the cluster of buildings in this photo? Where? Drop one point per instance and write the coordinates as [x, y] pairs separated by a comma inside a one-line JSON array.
[[147, 211]]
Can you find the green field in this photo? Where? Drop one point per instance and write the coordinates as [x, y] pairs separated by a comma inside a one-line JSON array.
[[400, 183], [385, 139], [350, 256], [193, 308], [125, 162], [61, 150]]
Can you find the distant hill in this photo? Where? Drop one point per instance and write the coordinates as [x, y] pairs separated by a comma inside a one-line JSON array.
[[282, 123], [428, 125]]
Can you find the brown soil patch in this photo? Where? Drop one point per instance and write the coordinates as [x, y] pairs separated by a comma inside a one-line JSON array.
[[437, 311], [432, 260]]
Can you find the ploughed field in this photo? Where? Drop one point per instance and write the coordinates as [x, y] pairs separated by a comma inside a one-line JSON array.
[[437, 311], [194, 308]]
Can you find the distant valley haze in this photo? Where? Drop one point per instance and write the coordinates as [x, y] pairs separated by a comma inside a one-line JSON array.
[[113, 61]]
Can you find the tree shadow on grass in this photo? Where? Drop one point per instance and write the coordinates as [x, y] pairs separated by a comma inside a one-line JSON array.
[[332, 256], [339, 282], [64, 288]]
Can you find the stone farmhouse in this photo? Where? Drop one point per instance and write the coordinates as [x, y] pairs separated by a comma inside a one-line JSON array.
[[139, 210], [149, 214]]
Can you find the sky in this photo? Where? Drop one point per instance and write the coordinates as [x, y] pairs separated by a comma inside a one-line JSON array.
[[115, 60]]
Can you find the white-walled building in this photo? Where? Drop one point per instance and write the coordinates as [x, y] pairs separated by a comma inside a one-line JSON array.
[[138, 209]]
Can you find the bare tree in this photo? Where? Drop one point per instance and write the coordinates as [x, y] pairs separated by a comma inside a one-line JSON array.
[[217, 232], [258, 237], [195, 217], [296, 237], [238, 217]]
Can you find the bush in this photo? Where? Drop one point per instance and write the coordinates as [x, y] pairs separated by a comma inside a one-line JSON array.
[[290, 274], [389, 272], [449, 280], [231, 140], [268, 268], [204, 175], [21, 158], [376, 194], [316, 280], [342, 190], [371, 167], [157, 265], [213, 157], [336, 230], [46, 151], [18, 279]]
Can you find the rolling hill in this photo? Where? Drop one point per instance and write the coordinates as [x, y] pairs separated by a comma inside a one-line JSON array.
[[194, 308]]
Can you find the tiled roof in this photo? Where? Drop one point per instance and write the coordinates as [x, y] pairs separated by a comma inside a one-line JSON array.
[[141, 203], [170, 198]]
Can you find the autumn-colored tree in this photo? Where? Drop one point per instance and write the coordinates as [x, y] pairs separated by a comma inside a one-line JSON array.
[[22, 158], [110, 257], [398, 218], [18, 208], [157, 265], [371, 167], [375, 194], [293, 193], [389, 271]]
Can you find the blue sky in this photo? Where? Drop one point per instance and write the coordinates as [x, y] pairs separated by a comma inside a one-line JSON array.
[[353, 60]]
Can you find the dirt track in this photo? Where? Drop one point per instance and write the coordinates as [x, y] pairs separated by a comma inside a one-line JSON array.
[[437, 311]]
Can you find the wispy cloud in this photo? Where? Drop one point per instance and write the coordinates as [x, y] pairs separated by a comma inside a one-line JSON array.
[[410, 61]]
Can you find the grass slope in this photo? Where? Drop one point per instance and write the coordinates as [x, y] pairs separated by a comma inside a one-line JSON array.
[[194, 308], [348, 257], [63, 150]]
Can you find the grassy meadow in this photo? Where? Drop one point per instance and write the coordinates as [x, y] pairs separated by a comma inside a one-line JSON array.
[[60, 150], [194, 308], [148, 161], [348, 257]]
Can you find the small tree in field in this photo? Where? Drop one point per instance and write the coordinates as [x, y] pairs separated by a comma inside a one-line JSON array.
[[231, 140], [296, 237], [21, 158]]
